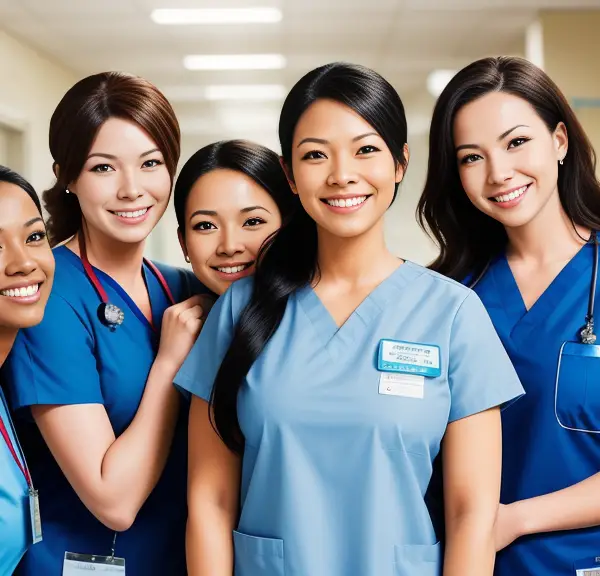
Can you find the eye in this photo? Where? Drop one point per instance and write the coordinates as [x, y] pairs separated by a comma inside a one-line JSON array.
[[38, 236], [251, 222], [102, 168], [314, 155], [518, 142], [368, 149], [470, 158], [202, 226], [151, 163]]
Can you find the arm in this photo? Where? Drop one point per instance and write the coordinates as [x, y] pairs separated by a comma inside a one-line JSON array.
[[114, 476], [213, 497], [575, 507], [471, 464]]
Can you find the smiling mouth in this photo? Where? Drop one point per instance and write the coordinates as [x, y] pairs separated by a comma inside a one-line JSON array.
[[345, 202], [232, 269], [23, 292], [511, 196], [130, 213]]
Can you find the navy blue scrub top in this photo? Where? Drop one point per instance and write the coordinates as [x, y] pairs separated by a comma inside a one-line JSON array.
[[539, 454], [72, 358]]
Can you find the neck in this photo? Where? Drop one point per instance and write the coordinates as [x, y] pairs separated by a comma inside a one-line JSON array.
[[121, 261], [354, 260], [549, 237], [7, 339]]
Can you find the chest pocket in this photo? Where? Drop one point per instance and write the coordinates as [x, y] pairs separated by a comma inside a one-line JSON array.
[[577, 393]]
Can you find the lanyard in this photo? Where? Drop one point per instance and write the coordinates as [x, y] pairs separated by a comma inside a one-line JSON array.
[[11, 449], [109, 313]]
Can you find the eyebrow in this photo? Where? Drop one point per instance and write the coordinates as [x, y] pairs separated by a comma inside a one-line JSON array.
[[29, 223], [501, 137], [215, 213], [112, 157], [322, 141]]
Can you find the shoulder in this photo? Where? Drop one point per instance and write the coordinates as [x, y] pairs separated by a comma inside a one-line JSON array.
[[439, 285], [183, 283]]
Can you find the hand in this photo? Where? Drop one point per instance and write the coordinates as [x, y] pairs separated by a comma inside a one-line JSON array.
[[508, 525], [180, 327]]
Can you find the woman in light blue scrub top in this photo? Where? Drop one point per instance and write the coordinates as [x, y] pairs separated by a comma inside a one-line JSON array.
[[107, 445], [513, 200], [26, 273], [334, 378]]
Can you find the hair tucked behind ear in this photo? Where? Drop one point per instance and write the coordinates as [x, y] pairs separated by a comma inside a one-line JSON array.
[[288, 260]]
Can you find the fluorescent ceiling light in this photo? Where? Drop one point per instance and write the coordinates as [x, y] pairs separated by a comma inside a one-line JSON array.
[[235, 62], [216, 16], [245, 92], [438, 80]]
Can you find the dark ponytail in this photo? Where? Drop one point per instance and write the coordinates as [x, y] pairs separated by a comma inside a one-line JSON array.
[[288, 260]]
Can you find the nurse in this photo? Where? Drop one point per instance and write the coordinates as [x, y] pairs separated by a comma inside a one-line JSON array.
[[513, 200], [230, 196], [111, 488], [335, 377], [26, 272]]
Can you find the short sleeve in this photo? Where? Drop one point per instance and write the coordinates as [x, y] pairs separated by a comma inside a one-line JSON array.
[[480, 373], [198, 373], [53, 362]]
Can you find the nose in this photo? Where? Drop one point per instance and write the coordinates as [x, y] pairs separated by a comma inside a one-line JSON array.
[[129, 188], [230, 242], [19, 261], [500, 169], [342, 172]]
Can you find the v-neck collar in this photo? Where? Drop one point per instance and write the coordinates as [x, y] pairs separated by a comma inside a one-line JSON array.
[[334, 337], [521, 319]]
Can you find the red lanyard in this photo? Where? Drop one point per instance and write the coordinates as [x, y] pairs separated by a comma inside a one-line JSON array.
[[100, 289], [12, 450]]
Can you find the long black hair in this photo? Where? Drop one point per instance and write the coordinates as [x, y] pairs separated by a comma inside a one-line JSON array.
[[468, 238], [254, 160], [11, 177], [288, 260]]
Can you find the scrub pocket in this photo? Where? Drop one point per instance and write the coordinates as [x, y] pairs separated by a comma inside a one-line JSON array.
[[254, 555], [418, 560], [577, 397]]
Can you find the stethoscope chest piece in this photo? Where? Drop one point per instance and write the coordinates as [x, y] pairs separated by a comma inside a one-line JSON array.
[[110, 315]]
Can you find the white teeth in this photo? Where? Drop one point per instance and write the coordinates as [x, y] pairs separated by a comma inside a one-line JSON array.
[[346, 202], [135, 214], [21, 292], [232, 269], [511, 196]]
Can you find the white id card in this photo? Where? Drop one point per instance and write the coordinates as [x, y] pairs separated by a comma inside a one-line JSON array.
[[34, 516], [407, 385], [83, 564]]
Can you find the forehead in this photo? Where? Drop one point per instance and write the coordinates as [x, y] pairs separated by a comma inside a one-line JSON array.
[[330, 120], [120, 137], [16, 206], [488, 117]]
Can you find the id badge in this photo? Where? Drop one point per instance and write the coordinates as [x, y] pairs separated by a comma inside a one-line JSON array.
[[83, 564], [34, 516], [587, 566], [409, 358]]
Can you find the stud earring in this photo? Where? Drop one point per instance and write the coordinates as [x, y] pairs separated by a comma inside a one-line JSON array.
[[561, 161], [67, 191], [187, 259]]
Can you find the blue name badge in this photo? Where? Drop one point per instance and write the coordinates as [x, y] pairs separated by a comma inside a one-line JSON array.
[[587, 566], [409, 358]]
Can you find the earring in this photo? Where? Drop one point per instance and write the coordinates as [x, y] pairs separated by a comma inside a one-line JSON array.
[[67, 191], [187, 258], [561, 161]]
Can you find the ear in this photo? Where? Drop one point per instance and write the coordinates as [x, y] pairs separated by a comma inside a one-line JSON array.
[[401, 168], [288, 175], [55, 169], [561, 141], [182, 244]]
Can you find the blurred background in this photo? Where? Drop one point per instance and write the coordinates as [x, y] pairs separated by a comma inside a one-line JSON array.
[[226, 66]]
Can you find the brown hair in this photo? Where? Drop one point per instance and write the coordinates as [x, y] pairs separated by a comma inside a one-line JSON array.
[[468, 238], [75, 124]]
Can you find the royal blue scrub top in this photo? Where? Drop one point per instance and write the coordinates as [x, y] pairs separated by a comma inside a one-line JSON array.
[[72, 358], [15, 527], [539, 454], [335, 467]]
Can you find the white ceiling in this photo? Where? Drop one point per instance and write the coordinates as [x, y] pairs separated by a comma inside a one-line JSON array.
[[402, 39]]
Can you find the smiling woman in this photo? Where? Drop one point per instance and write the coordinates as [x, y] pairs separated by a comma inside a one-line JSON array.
[[96, 374]]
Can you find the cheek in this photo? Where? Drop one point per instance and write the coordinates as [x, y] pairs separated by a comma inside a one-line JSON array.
[[200, 248], [473, 181], [158, 184]]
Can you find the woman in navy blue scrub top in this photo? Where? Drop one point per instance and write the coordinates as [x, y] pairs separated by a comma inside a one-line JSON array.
[[26, 273], [513, 201], [336, 374], [230, 196], [96, 375]]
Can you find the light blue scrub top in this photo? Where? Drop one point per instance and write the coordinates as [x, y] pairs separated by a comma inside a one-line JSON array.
[[335, 473], [15, 526], [540, 455]]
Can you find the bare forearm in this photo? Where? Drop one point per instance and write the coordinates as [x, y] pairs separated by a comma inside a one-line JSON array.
[[209, 544], [470, 548]]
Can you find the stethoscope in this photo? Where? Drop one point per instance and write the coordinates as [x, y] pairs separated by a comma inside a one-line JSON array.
[[109, 314], [586, 334]]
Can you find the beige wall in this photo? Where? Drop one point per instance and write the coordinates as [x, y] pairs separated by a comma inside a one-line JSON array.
[[31, 87]]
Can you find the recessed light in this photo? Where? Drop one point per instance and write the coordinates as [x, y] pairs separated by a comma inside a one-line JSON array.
[[235, 62], [245, 92], [209, 16], [438, 80]]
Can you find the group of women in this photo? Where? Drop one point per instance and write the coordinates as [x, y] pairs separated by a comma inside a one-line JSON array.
[[307, 402]]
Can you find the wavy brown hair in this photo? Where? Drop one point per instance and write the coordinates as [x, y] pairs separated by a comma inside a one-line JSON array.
[[467, 237], [75, 124]]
